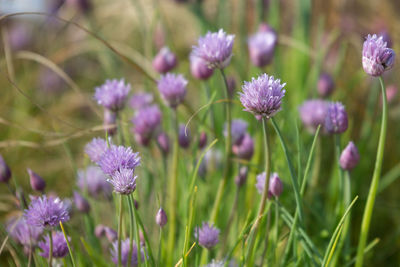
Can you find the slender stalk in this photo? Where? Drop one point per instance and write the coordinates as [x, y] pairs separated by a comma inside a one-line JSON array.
[[134, 222], [375, 181], [119, 231], [160, 243], [341, 176], [266, 240], [264, 195], [130, 232], [227, 169], [50, 263], [230, 220], [173, 193], [212, 116], [68, 244]]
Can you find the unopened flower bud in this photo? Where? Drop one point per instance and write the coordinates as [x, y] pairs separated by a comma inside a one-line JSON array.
[[202, 140], [349, 157], [37, 182], [325, 85], [161, 217], [5, 173], [164, 61]]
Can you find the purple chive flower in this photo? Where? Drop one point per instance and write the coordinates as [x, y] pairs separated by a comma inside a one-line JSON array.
[[238, 130], [376, 56], [275, 185], [262, 96], [93, 180], [124, 181], [125, 249], [161, 217], [146, 122], [110, 121], [172, 88], [199, 68], [207, 234], [112, 94], [202, 140], [336, 118], [23, 233], [241, 178], [60, 247], [81, 203], [325, 85], [117, 158], [313, 113], [349, 157], [46, 212], [140, 100], [245, 149], [99, 231], [262, 46], [5, 172], [37, 182], [215, 48], [165, 60], [96, 148], [184, 136], [111, 234], [163, 142]]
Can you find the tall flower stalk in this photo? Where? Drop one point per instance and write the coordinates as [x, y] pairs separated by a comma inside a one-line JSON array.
[[50, 262]]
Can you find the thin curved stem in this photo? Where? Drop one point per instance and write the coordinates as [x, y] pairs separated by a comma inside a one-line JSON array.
[[375, 181], [51, 249]]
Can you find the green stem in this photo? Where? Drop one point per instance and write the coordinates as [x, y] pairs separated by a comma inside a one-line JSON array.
[[227, 169], [68, 244], [134, 224], [119, 231], [264, 197], [173, 193], [51, 249], [212, 116], [375, 181], [341, 176]]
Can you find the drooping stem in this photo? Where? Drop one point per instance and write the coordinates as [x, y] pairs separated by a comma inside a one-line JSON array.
[[119, 231], [50, 249], [173, 192], [375, 181], [227, 169], [264, 195]]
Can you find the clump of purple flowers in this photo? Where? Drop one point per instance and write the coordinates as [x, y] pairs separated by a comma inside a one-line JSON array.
[[23, 233], [112, 94], [124, 181], [93, 180], [46, 212], [238, 130], [117, 158], [262, 96], [60, 247], [125, 249], [376, 56], [215, 48], [336, 121], [172, 88], [208, 235], [313, 113]]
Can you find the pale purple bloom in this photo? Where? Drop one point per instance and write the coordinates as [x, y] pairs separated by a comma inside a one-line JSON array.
[[275, 185], [125, 249], [124, 181], [81, 203], [184, 137], [24, 233], [140, 100], [215, 48], [112, 94], [349, 157], [313, 113], [117, 158], [110, 121], [261, 183], [60, 247], [161, 217], [96, 148], [5, 172], [199, 68], [262, 96], [37, 182], [172, 88], [241, 178], [262, 46], [111, 234], [146, 122], [376, 56], [100, 231], [245, 149], [325, 85], [336, 118], [163, 142], [238, 130], [207, 234], [94, 181], [202, 140], [46, 212], [165, 60]]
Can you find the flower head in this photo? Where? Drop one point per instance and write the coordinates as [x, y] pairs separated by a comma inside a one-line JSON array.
[[112, 94], [161, 217], [199, 68], [124, 181], [81, 203], [262, 96], [245, 149], [5, 172], [376, 56], [336, 118], [163, 142], [146, 121], [172, 88], [349, 157], [275, 185], [24, 233], [117, 158], [60, 247], [140, 100], [215, 48], [325, 85], [262, 46], [184, 137], [125, 249], [37, 182], [46, 212], [165, 60], [94, 181], [313, 113], [238, 130], [208, 235], [96, 148]]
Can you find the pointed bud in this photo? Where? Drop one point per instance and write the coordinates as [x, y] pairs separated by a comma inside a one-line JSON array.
[[349, 157], [202, 140], [37, 182], [241, 178], [163, 142], [81, 203], [164, 61], [5, 173], [161, 217], [275, 185]]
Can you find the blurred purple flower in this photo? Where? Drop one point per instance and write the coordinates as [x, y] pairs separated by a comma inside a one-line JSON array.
[[262, 46], [245, 149], [94, 181], [37, 182], [325, 85], [50, 82], [262, 96], [60, 247], [125, 249], [238, 130], [215, 48], [336, 121], [161, 217], [99, 231], [81, 203], [349, 157], [96, 148], [184, 137], [117, 158], [313, 113], [391, 93], [376, 57], [124, 181], [110, 121], [275, 185], [172, 88], [163, 142], [202, 140], [199, 68], [140, 100], [146, 122], [112, 94], [23, 233], [5, 172], [241, 178], [165, 60], [111, 234], [207, 234]]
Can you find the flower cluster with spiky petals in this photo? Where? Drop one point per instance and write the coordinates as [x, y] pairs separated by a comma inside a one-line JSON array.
[[376, 56], [46, 212]]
